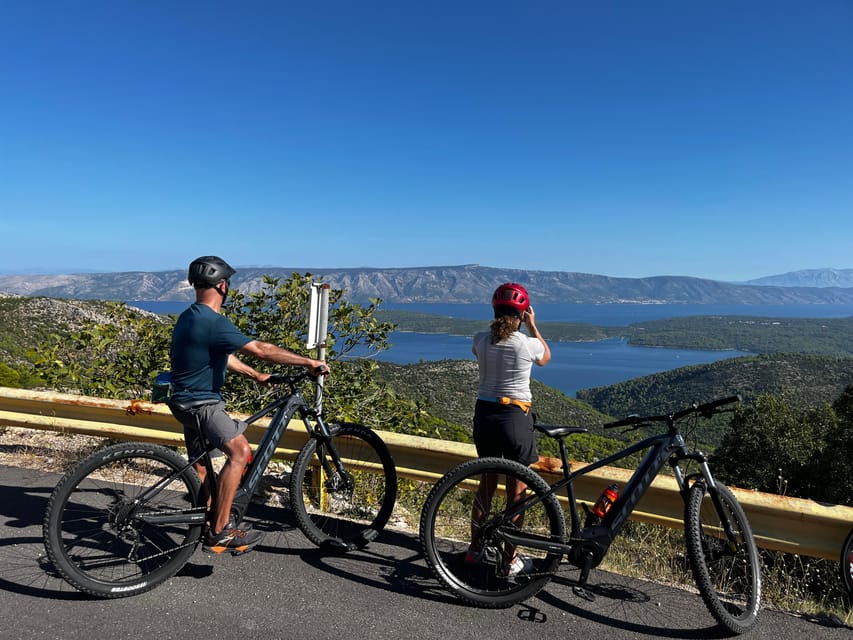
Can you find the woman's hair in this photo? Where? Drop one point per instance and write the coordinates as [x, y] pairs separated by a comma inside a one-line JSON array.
[[503, 327]]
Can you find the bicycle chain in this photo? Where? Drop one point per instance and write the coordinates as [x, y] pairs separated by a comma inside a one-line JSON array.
[[162, 553]]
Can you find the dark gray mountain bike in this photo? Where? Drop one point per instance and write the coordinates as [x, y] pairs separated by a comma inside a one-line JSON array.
[[458, 512], [129, 516]]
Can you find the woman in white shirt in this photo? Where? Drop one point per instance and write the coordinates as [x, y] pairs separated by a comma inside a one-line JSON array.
[[503, 422]]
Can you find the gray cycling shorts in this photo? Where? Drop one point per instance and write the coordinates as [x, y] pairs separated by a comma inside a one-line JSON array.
[[217, 425]]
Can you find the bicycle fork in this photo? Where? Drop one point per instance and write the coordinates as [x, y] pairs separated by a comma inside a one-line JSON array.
[[336, 478], [711, 487]]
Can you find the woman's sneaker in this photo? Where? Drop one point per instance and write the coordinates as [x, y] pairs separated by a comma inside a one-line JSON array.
[[519, 565], [231, 539]]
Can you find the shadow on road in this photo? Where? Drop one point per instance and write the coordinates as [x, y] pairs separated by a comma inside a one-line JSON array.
[[24, 565]]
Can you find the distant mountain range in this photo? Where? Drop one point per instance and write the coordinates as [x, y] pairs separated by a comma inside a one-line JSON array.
[[809, 278], [459, 284]]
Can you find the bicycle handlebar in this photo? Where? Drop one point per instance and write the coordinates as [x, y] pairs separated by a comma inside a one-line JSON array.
[[706, 410], [281, 378]]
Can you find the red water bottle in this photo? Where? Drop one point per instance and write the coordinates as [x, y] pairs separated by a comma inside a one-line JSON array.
[[605, 500]]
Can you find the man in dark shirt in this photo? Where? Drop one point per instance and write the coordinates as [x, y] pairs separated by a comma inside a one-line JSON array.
[[203, 346]]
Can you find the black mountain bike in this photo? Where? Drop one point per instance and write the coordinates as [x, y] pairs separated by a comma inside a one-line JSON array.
[[469, 505], [129, 516]]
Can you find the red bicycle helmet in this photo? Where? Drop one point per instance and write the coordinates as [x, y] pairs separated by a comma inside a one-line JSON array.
[[512, 297]]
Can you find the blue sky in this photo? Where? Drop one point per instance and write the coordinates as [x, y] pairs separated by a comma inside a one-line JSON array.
[[625, 138]]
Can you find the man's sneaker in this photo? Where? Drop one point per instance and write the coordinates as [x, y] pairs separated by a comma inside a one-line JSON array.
[[486, 555], [242, 525], [231, 539], [518, 566]]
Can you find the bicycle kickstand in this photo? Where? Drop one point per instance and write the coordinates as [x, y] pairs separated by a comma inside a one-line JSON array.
[[580, 589]]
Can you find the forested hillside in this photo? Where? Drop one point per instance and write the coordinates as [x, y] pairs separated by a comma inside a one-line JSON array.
[[28, 321], [817, 336], [449, 387], [808, 380]]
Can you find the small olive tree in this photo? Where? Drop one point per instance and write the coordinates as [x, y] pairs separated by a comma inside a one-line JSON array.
[[777, 445]]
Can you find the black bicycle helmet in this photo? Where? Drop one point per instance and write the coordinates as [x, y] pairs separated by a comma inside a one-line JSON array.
[[209, 271]]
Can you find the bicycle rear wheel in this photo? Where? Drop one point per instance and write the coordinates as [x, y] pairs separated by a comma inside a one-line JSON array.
[[847, 566], [727, 574], [448, 526], [343, 510], [108, 534]]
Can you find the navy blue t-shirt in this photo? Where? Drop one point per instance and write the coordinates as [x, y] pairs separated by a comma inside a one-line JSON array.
[[201, 342]]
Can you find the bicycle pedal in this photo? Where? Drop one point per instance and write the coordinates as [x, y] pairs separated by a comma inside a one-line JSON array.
[[241, 552], [367, 536], [234, 551], [336, 545]]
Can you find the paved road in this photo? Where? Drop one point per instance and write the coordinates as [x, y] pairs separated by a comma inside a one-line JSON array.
[[288, 589]]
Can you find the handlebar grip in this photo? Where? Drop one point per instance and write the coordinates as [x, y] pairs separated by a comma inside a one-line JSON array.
[[710, 406], [624, 422]]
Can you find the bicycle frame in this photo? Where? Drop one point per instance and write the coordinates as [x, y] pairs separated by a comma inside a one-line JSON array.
[[664, 448], [284, 408]]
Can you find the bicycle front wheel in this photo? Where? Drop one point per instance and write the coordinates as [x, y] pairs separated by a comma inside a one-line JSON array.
[[109, 533], [343, 495], [466, 511], [847, 566], [727, 572]]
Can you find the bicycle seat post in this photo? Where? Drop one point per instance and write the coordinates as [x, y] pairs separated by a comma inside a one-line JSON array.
[[564, 457]]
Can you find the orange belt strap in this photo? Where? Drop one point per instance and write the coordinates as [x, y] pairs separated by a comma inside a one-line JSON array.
[[525, 406]]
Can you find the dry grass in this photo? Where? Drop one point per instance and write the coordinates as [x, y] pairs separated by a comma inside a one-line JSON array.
[[44, 450], [809, 587]]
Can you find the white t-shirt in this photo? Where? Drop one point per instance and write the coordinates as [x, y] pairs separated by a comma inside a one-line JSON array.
[[505, 366]]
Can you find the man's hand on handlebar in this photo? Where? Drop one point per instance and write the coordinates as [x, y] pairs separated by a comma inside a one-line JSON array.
[[320, 369]]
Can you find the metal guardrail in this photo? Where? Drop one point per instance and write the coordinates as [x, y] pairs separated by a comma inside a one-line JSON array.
[[780, 523]]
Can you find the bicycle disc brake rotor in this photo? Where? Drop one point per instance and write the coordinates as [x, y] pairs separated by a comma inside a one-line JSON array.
[[341, 481]]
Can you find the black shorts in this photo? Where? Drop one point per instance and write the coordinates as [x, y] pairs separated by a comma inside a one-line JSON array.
[[504, 431], [217, 425]]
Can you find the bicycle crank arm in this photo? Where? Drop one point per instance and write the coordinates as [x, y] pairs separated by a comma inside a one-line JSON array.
[[533, 541], [179, 517]]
